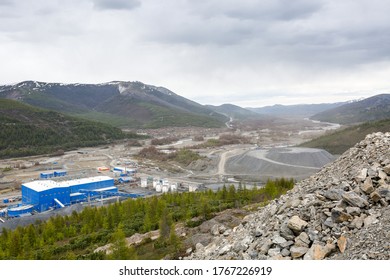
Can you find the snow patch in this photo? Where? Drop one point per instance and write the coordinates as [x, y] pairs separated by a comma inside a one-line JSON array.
[[121, 88]]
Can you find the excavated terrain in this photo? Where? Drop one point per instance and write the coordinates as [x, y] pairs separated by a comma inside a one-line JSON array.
[[341, 212], [297, 163]]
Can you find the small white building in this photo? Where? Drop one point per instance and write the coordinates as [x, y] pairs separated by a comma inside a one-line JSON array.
[[165, 182]]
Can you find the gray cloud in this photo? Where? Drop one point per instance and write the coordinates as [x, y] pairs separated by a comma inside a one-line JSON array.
[[223, 22], [116, 4], [228, 49], [259, 10], [5, 2]]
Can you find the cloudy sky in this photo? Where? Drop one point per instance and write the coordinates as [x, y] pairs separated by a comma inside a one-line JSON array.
[[246, 52]]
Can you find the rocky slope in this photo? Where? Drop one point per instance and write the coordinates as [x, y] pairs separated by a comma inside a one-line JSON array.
[[341, 212]]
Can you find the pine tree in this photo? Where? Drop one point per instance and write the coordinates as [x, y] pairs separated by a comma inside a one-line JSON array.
[[120, 249]]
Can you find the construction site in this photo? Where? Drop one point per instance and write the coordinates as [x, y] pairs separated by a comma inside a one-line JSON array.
[[100, 175]]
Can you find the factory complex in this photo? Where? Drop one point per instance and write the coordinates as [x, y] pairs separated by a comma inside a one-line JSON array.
[[44, 195], [56, 189]]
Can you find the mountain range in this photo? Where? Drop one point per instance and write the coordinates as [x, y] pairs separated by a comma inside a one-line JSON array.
[[237, 113], [138, 105], [123, 104], [299, 110], [370, 109]]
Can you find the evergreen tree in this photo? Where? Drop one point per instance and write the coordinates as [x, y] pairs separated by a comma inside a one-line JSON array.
[[165, 225], [120, 249]]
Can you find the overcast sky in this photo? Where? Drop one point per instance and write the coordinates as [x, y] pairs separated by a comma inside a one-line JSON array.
[[246, 52]]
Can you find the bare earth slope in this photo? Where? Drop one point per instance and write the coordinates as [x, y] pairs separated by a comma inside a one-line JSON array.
[[341, 212], [298, 163]]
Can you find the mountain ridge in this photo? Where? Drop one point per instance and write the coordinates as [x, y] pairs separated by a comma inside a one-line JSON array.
[[373, 108], [128, 104], [296, 110], [27, 130], [237, 112]]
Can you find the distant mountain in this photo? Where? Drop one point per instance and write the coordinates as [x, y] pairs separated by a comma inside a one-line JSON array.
[[237, 112], [125, 104], [339, 141], [370, 109], [300, 110], [26, 130]]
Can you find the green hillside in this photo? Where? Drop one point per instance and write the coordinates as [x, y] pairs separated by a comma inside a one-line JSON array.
[[340, 141], [374, 108], [121, 104], [26, 130]]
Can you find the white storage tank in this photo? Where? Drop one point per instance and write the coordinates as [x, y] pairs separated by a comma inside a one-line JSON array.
[[174, 188], [158, 188], [144, 183], [192, 188], [165, 188]]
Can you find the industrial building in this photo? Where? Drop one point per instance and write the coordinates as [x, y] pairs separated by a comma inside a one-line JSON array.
[[53, 173], [46, 195], [123, 171]]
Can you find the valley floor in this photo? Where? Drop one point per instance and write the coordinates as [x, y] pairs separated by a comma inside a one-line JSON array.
[[218, 165]]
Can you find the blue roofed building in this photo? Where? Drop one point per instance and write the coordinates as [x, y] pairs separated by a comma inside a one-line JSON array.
[[47, 194]]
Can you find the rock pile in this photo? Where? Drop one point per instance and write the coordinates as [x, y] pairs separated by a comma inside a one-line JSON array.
[[341, 212]]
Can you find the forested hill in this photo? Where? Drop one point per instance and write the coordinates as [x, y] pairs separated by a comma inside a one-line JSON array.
[[26, 130], [374, 108], [339, 141], [122, 104]]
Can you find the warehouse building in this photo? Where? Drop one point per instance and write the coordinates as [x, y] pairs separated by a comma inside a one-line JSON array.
[[48, 194], [52, 173]]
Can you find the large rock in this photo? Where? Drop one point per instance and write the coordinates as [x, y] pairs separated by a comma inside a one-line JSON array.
[[334, 194], [224, 249], [387, 169], [265, 247], [273, 252], [354, 199], [354, 211], [215, 230], [367, 186], [339, 216], [357, 222], [362, 175], [302, 240], [277, 239], [382, 175], [297, 252], [296, 224], [342, 243], [286, 232], [370, 220], [375, 196], [319, 252]]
